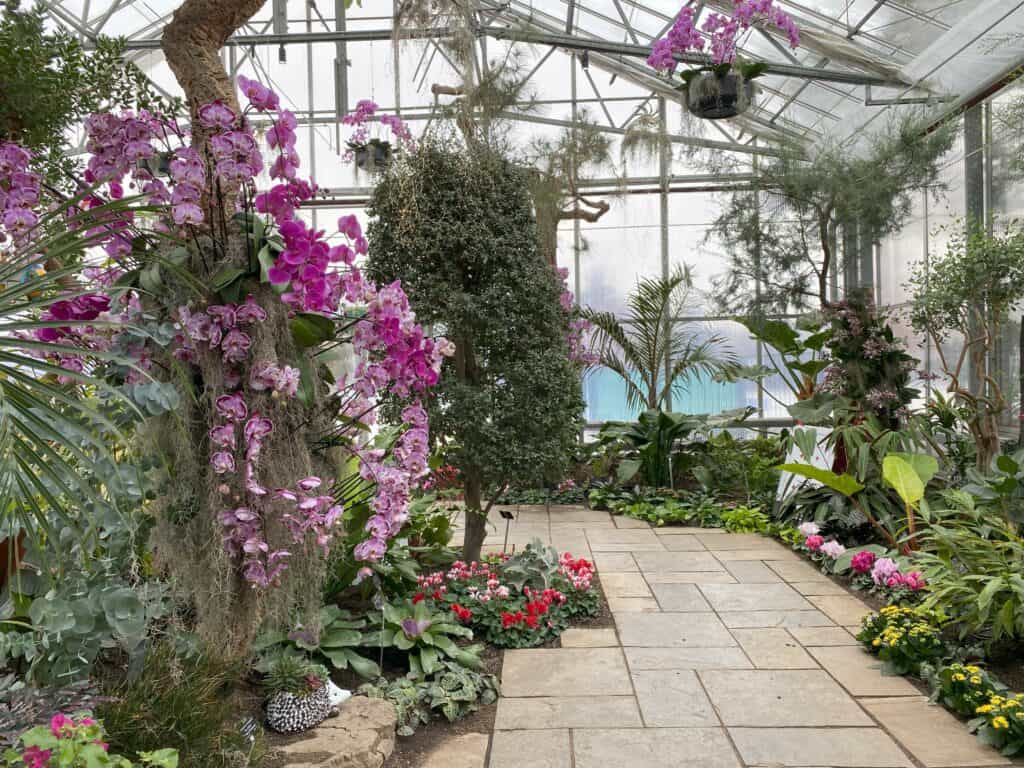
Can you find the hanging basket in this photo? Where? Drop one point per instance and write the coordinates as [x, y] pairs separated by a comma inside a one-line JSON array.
[[717, 97], [373, 156]]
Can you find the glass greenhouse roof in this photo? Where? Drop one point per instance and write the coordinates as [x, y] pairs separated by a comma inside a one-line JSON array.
[[858, 61]]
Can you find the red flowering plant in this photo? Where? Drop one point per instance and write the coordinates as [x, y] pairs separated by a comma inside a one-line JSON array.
[[515, 602]]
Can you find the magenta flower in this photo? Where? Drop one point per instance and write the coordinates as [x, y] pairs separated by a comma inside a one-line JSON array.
[[222, 462], [216, 115], [883, 569], [232, 407], [223, 436], [863, 561], [813, 543]]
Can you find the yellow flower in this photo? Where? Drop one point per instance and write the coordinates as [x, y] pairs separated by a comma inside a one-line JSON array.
[[972, 669], [984, 709], [1011, 703], [959, 678], [876, 642], [1000, 722], [975, 680]]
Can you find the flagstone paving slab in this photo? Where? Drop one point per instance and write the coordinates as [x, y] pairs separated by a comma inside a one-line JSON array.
[[729, 555], [773, 649], [686, 658], [690, 577], [860, 672], [621, 521], [673, 699], [842, 609], [676, 562], [781, 698], [736, 541], [567, 712], [754, 597], [467, 750], [531, 749], [682, 544], [680, 597], [931, 734], [575, 637], [810, 636], [835, 747], [752, 572], [633, 605], [686, 530], [755, 619], [816, 588], [795, 570], [615, 562], [624, 585], [654, 748], [668, 630], [620, 536], [555, 671]]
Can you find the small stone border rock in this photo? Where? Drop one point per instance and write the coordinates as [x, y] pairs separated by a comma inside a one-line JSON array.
[[361, 736]]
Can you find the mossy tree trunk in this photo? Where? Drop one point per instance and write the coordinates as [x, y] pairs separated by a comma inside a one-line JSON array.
[[189, 538]]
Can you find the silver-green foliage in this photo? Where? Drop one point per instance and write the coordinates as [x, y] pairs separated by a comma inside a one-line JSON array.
[[452, 690]]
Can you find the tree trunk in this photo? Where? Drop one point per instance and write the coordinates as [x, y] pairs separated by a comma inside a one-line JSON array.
[[476, 522], [229, 610], [826, 259], [1020, 383], [547, 235]]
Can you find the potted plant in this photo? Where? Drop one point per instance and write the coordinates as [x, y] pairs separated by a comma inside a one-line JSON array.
[[722, 86], [372, 156], [372, 153]]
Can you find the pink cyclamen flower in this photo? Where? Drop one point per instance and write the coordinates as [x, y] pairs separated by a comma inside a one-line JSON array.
[[914, 581], [814, 543], [863, 561], [809, 529], [34, 757], [884, 568], [833, 549]]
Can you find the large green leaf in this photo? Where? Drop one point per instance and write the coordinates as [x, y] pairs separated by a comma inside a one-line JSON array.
[[311, 330], [813, 410], [773, 332], [844, 484], [899, 474], [925, 465]]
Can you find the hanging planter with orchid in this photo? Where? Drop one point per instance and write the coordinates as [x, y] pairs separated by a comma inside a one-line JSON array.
[[722, 87]]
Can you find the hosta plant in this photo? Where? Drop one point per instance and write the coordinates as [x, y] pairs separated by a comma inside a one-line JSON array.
[[745, 520], [903, 638], [426, 635], [341, 642]]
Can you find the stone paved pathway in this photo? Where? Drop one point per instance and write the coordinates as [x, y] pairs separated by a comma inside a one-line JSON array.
[[728, 650]]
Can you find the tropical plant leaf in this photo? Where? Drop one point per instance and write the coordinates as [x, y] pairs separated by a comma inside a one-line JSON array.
[[844, 484]]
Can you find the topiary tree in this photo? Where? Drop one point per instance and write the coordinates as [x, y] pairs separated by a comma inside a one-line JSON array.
[[456, 227]]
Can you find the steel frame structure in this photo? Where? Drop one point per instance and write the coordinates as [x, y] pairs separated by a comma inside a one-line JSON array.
[[851, 59]]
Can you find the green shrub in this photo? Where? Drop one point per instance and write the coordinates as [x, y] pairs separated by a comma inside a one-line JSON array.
[[179, 703], [452, 690], [745, 520], [739, 470], [76, 742], [903, 638], [973, 561]]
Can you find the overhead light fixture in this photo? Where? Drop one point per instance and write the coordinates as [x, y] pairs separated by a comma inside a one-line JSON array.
[[585, 60], [282, 54], [613, 78]]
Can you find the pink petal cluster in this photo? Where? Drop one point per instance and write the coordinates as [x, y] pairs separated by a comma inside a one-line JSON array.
[[862, 562], [365, 113], [814, 543], [886, 572], [809, 529], [722, 31], [19, 193], [832, 548]]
